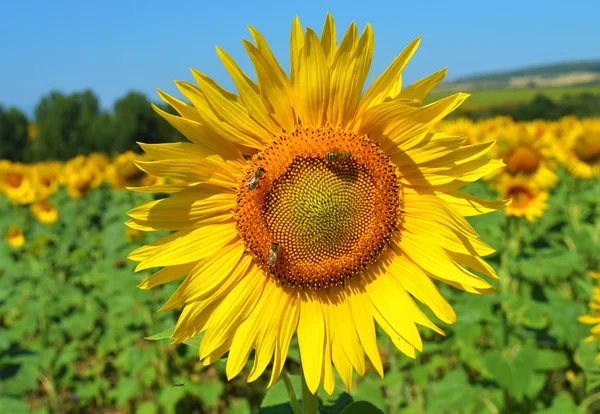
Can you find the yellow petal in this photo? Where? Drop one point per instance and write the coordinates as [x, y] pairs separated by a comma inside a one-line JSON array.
[[196, 245], [312, 86], [362, 312], [311, 338], [166, 275]]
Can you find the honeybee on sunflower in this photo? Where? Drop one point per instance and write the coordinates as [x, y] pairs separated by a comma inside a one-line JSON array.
[[357, 240]]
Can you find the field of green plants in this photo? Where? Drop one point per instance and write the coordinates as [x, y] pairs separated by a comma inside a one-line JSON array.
[[512, 96], [73, 324]]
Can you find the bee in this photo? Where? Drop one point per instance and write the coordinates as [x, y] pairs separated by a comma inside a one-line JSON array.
[[273, 250], [332, 155], [256, 176], [336, 154]]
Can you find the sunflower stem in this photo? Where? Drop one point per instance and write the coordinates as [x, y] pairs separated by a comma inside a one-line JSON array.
[[291, 392], [309, 400]]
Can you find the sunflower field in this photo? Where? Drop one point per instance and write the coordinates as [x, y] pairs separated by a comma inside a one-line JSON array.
[[77, 335]]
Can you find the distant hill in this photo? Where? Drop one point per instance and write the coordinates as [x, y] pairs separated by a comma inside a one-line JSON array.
[[554, 75]]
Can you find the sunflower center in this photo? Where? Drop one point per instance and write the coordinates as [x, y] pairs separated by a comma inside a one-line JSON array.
[[323, 209], [46, 206], [521, 196], [14, 180], [587, 149], [523, 160]]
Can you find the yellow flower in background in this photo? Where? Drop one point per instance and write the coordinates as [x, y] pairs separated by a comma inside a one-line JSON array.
[[133, 234], [14, 236], [527, 151], [82, 174], [579, 150], [593, 318], [527, 199], [79, 184], [48, 176], [461, 126], [308, 207], [16, 183], [32, 131], [98, 160], [44, 211], [123, 172]]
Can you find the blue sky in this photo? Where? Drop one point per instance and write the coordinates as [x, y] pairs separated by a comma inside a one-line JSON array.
[[114, 46]]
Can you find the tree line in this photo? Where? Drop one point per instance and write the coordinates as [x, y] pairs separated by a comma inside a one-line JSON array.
[[66, 125], [583, 105]]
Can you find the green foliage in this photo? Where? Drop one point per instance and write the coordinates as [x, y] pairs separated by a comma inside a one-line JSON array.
[[73, 124], [77, 335], [13, 133], [534, 104]]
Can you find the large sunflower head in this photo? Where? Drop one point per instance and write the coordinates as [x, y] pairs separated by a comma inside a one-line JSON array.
[[580, 149], [304, 206], [528, 200]]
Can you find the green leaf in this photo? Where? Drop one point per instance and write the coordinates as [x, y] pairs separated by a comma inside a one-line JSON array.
[[195, 341], [209, 392], [277, 399], [338, 405], [168, 398], [550, 360], [13, 405], [562, 404], [239, 406], [370, 391], [451, 393], [127, 389], [166, 334], [146, 407], [512, 369], [361, 407]]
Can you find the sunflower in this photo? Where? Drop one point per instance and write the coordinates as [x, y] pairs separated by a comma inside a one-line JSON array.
[[123, 172], [16, 182], [528, 152], [594, 317], [44, 211], [580, 149], [527, 199], [308, 207], [461, 126], [14, 236], [48, 176], [82, 174]]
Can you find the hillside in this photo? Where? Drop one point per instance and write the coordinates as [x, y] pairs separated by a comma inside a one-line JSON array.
[[554, 75]]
